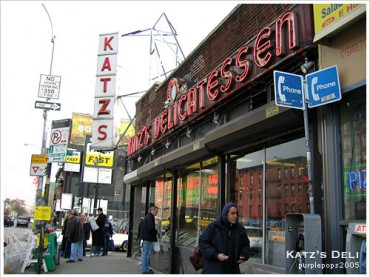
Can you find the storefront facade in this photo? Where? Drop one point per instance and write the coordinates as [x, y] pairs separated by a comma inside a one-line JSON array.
[[211, 133]]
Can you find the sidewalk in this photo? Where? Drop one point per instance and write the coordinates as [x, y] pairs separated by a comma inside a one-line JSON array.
[[114, 263]]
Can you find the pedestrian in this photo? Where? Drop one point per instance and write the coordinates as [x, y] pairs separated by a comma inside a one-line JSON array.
[[75, 236], [98, 234], [66, 245], [87, 230], [108, 233], [224, 243], [148, 235]]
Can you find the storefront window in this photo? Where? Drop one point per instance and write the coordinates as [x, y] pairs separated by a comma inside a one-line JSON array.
[[291, 157], [163, 191], [353, 145], [248, 170], [197, 195]]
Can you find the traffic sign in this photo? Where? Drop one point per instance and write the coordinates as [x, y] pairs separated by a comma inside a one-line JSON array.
[[49, 86], [288, 90], [323, 87], [57, 153], [39, 164], [48, 105]]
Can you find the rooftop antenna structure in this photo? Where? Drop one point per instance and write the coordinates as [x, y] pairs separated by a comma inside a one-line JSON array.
[[163, 42]]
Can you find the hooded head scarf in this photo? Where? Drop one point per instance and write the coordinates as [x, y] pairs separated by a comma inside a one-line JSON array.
[[225, 210]]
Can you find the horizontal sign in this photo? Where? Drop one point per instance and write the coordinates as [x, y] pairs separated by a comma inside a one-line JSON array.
[[71, 167], [49, 86], [48, 105], [42, 213]]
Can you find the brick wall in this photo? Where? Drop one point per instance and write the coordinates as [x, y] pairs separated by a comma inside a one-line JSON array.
[[239, 28]]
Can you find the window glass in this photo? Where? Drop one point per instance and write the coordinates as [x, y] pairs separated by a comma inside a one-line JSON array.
[[353, 145], [290, 155], [197, 195], [163, 191], [248, 178]]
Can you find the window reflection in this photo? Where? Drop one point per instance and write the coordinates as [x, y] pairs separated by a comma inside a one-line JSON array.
[[353, 144], [291, 157], [197, 200], [248, 178], [163, 191]]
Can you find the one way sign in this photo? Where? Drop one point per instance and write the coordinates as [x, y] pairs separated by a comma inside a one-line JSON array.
[[48, 105]]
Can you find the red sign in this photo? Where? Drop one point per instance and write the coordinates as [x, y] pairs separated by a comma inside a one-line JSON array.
[[271, 46]]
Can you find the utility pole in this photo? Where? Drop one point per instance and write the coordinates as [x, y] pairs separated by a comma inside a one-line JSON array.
[[39, 200]]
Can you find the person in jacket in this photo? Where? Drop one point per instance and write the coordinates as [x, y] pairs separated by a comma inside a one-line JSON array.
[[224, 243], [98, 235], [87, 230], [75, 236], [66, 245], [148, 235], [108, 234]]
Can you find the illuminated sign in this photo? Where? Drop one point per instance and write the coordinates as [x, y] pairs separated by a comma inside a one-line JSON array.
[[272, 45], [355, 180]]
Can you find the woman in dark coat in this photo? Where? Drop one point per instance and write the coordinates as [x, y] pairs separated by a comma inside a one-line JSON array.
[[224, 243], [98, 236]]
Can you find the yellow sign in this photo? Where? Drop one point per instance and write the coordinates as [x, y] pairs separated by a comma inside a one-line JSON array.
[[39, 159], [42, 213], [326, 14], [73, 159], [46, 239], [99, 160]]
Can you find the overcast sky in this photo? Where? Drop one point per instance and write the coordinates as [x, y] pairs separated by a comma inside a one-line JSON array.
[[26, 54]]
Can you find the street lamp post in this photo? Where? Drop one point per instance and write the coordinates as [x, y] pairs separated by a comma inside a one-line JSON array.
[[39, 200]]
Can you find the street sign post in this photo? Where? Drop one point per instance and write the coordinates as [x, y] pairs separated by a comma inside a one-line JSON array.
[[288, 90], [323, 87], [48, 105]]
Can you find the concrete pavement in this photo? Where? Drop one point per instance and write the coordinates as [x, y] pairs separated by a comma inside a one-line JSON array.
[[115, 263]]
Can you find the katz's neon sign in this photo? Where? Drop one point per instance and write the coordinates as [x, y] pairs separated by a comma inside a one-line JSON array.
[[249, 62]]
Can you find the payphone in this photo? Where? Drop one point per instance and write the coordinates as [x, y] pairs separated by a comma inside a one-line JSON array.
[[303, 243], [356, 248]]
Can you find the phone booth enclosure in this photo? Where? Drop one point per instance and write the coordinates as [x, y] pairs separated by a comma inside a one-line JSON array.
[[302, 239]]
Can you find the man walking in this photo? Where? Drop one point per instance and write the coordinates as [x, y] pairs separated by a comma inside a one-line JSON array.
[[75, 236], [148, 235]]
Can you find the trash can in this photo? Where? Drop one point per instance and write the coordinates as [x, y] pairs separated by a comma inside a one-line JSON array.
[[50, 254]]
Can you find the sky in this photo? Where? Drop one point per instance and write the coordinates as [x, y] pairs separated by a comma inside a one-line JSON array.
[[26, 53]]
